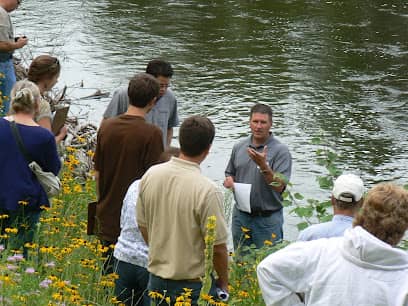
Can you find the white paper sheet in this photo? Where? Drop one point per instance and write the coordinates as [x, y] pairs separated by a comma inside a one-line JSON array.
[[242, 196]]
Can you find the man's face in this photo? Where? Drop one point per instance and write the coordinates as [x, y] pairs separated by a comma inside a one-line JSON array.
[[260, 125], [164, 84]]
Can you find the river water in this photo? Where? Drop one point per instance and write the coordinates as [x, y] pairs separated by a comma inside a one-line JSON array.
[[333, 69]]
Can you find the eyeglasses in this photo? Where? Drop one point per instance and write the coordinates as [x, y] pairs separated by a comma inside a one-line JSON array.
[[165, 86]]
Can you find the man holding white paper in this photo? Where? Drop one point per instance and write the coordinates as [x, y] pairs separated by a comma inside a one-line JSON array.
[[259, 169]]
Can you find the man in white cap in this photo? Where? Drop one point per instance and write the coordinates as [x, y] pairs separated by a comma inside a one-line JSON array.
[[347, 197]]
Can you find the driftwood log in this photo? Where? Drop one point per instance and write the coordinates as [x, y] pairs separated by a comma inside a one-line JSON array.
[[82, 138]]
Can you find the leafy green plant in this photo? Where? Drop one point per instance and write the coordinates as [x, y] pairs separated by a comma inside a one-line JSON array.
[[309, 210]]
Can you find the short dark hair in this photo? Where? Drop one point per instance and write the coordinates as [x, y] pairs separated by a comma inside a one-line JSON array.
[[261, 109], [196, 135], [142, 89], [158, 67], [353, 205]]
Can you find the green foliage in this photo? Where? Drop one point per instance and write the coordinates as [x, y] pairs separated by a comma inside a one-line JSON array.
[[403, 244], [244, 289], [310, 209], [64, 264]]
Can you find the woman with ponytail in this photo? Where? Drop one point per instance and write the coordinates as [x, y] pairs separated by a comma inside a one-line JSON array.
[[44, 71], [21, 196]]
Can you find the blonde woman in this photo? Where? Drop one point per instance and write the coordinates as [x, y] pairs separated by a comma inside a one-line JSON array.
[[21, 195]]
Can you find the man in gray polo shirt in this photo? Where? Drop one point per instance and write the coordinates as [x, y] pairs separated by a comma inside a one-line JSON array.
[[164, 113], [259, 161]]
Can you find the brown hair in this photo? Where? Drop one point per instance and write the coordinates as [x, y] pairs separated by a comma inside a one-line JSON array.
[[142, 89], [354, 205], [196, 134], [261, 109], [24, 97], [43, 67], [385, 213]]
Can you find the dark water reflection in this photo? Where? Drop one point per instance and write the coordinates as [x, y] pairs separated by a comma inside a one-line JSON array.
[[336, 69]]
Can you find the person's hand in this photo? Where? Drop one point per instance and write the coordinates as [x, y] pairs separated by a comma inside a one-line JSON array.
[[61, 134], [21, 42], [222, 285], [229, 182], [258, 157]]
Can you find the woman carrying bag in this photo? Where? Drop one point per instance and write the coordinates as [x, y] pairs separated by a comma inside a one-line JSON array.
[[21, 195]]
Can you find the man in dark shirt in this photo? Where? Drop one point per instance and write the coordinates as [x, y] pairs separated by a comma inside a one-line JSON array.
[[126, 147]]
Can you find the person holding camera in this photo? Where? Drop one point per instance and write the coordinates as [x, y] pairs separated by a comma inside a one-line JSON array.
[[8, 43]]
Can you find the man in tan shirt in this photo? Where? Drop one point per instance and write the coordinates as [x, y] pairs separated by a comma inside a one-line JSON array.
[[174, 204]]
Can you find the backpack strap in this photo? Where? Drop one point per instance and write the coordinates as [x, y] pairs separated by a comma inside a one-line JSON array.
[[19, 141]]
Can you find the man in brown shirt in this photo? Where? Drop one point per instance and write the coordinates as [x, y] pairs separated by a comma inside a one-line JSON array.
[[126, 147]]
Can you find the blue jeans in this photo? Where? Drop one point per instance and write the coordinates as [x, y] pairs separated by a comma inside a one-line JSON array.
[[173, 289], [7, 81], [131, 286], [260, 228], [25, 221]]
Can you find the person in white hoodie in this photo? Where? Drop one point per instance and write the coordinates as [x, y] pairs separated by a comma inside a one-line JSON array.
[[363, 268]]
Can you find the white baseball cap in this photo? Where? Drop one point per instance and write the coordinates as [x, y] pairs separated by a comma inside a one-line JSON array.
[[348, 188]]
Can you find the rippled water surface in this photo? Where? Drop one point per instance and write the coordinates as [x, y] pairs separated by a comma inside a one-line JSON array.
[[335, 69]]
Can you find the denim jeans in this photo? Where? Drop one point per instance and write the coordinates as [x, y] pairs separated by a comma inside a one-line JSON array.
[[131, 286], [173, 289], [7, 81], [25, 221], [260, 228]]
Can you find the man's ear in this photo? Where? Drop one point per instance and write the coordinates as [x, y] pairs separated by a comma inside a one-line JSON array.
[[207, 151], [151, 103]]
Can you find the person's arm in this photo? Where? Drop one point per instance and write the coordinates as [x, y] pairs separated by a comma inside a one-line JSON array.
[[229, 182], [169, 137], [97, 183], [52, 160], [230, 172], [45, 122], [118, 105], [61, 134], [276, 182], [220, 261], [97, 161], [143, 231], [287, 272], [140, 214], [9, 46], [154, 149]]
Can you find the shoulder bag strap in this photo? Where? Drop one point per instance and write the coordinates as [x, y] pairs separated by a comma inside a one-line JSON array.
[[19, 141]]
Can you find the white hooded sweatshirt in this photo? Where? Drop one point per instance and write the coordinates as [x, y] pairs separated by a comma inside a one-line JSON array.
[[355, 270]]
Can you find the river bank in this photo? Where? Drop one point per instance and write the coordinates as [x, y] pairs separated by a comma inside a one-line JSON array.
[[336, 70]]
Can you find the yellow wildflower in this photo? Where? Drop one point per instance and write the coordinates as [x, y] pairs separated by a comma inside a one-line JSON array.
[[245, 230], [268, 242], [23, 203]]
